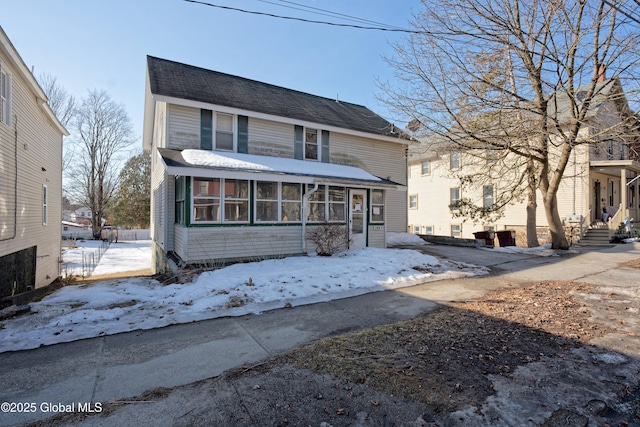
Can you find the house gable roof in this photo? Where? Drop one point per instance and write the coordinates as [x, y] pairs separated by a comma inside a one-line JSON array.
[[177, 80]]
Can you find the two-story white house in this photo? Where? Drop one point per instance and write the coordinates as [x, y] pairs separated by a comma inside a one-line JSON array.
[[601, 176], [31, 183], [242, 170]]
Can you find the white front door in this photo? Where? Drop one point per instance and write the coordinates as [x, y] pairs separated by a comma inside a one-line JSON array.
[[357, 219]]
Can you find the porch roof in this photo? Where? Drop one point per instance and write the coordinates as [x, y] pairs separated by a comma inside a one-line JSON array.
[[613, 167], [215, 164]]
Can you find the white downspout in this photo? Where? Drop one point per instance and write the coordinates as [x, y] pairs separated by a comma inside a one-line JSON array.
[[305, 208]]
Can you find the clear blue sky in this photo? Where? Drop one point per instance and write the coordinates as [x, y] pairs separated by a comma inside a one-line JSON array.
[[102, 44]]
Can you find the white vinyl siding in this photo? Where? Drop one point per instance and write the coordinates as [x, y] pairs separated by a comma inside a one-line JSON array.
[[380, 158], [268, 138], [38, 150], [183, 127]]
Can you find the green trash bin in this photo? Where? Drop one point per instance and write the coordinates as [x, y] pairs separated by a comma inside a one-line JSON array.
[[506, 237]]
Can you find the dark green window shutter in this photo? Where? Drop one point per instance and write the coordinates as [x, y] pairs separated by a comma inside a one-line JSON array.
[[206, 131], [324, 157], [243, 134], [298, 142]]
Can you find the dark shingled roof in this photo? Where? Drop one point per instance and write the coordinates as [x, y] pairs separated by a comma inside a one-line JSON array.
[[184, 81]]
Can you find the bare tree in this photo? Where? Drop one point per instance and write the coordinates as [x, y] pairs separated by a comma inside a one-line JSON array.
[[476, 71], [63, 105], [102, 130]]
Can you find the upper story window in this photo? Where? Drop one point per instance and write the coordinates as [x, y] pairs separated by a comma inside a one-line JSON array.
[[224, 132], [311, 144], [454, 160], [413, 201], [5, 97], [487, 196], [223, 138], [424, 168], [454, 198]]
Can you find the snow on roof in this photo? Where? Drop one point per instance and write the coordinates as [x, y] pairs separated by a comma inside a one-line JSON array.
[[252, 162]]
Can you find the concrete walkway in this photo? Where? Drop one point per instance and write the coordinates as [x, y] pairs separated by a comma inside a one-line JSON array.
[[125, 365]]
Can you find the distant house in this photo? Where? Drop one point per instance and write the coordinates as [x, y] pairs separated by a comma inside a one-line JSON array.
[[31, 185], [599, 176], [242, 169], [73, 230]]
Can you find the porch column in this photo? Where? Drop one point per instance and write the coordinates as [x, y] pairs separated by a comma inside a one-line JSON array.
[[623, 193]]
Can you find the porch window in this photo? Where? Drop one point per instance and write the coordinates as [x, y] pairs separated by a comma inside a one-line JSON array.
[[236, 200], [278, 201], [180, 200], [377, 206], [291, 202], [337, 204], [317, 203], [266, 201], [327, 204], [206, 199]]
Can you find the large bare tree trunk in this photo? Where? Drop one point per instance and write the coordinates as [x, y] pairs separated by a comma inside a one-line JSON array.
[[532, 207]]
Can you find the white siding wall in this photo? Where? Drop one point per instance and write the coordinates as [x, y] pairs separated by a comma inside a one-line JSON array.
[[267, 138], [183, 127], [383, 159], [207, 243], [39, 163]]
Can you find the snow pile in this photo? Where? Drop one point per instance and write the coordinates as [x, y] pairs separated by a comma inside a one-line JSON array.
[[394, 239], [123, 305]]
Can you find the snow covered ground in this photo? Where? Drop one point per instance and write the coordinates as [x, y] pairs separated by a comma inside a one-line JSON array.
[[121, 305]]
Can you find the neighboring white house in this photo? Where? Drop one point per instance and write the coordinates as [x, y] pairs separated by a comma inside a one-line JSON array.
[[243, 170], [73, 230], [598, 176], [31, 184]]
